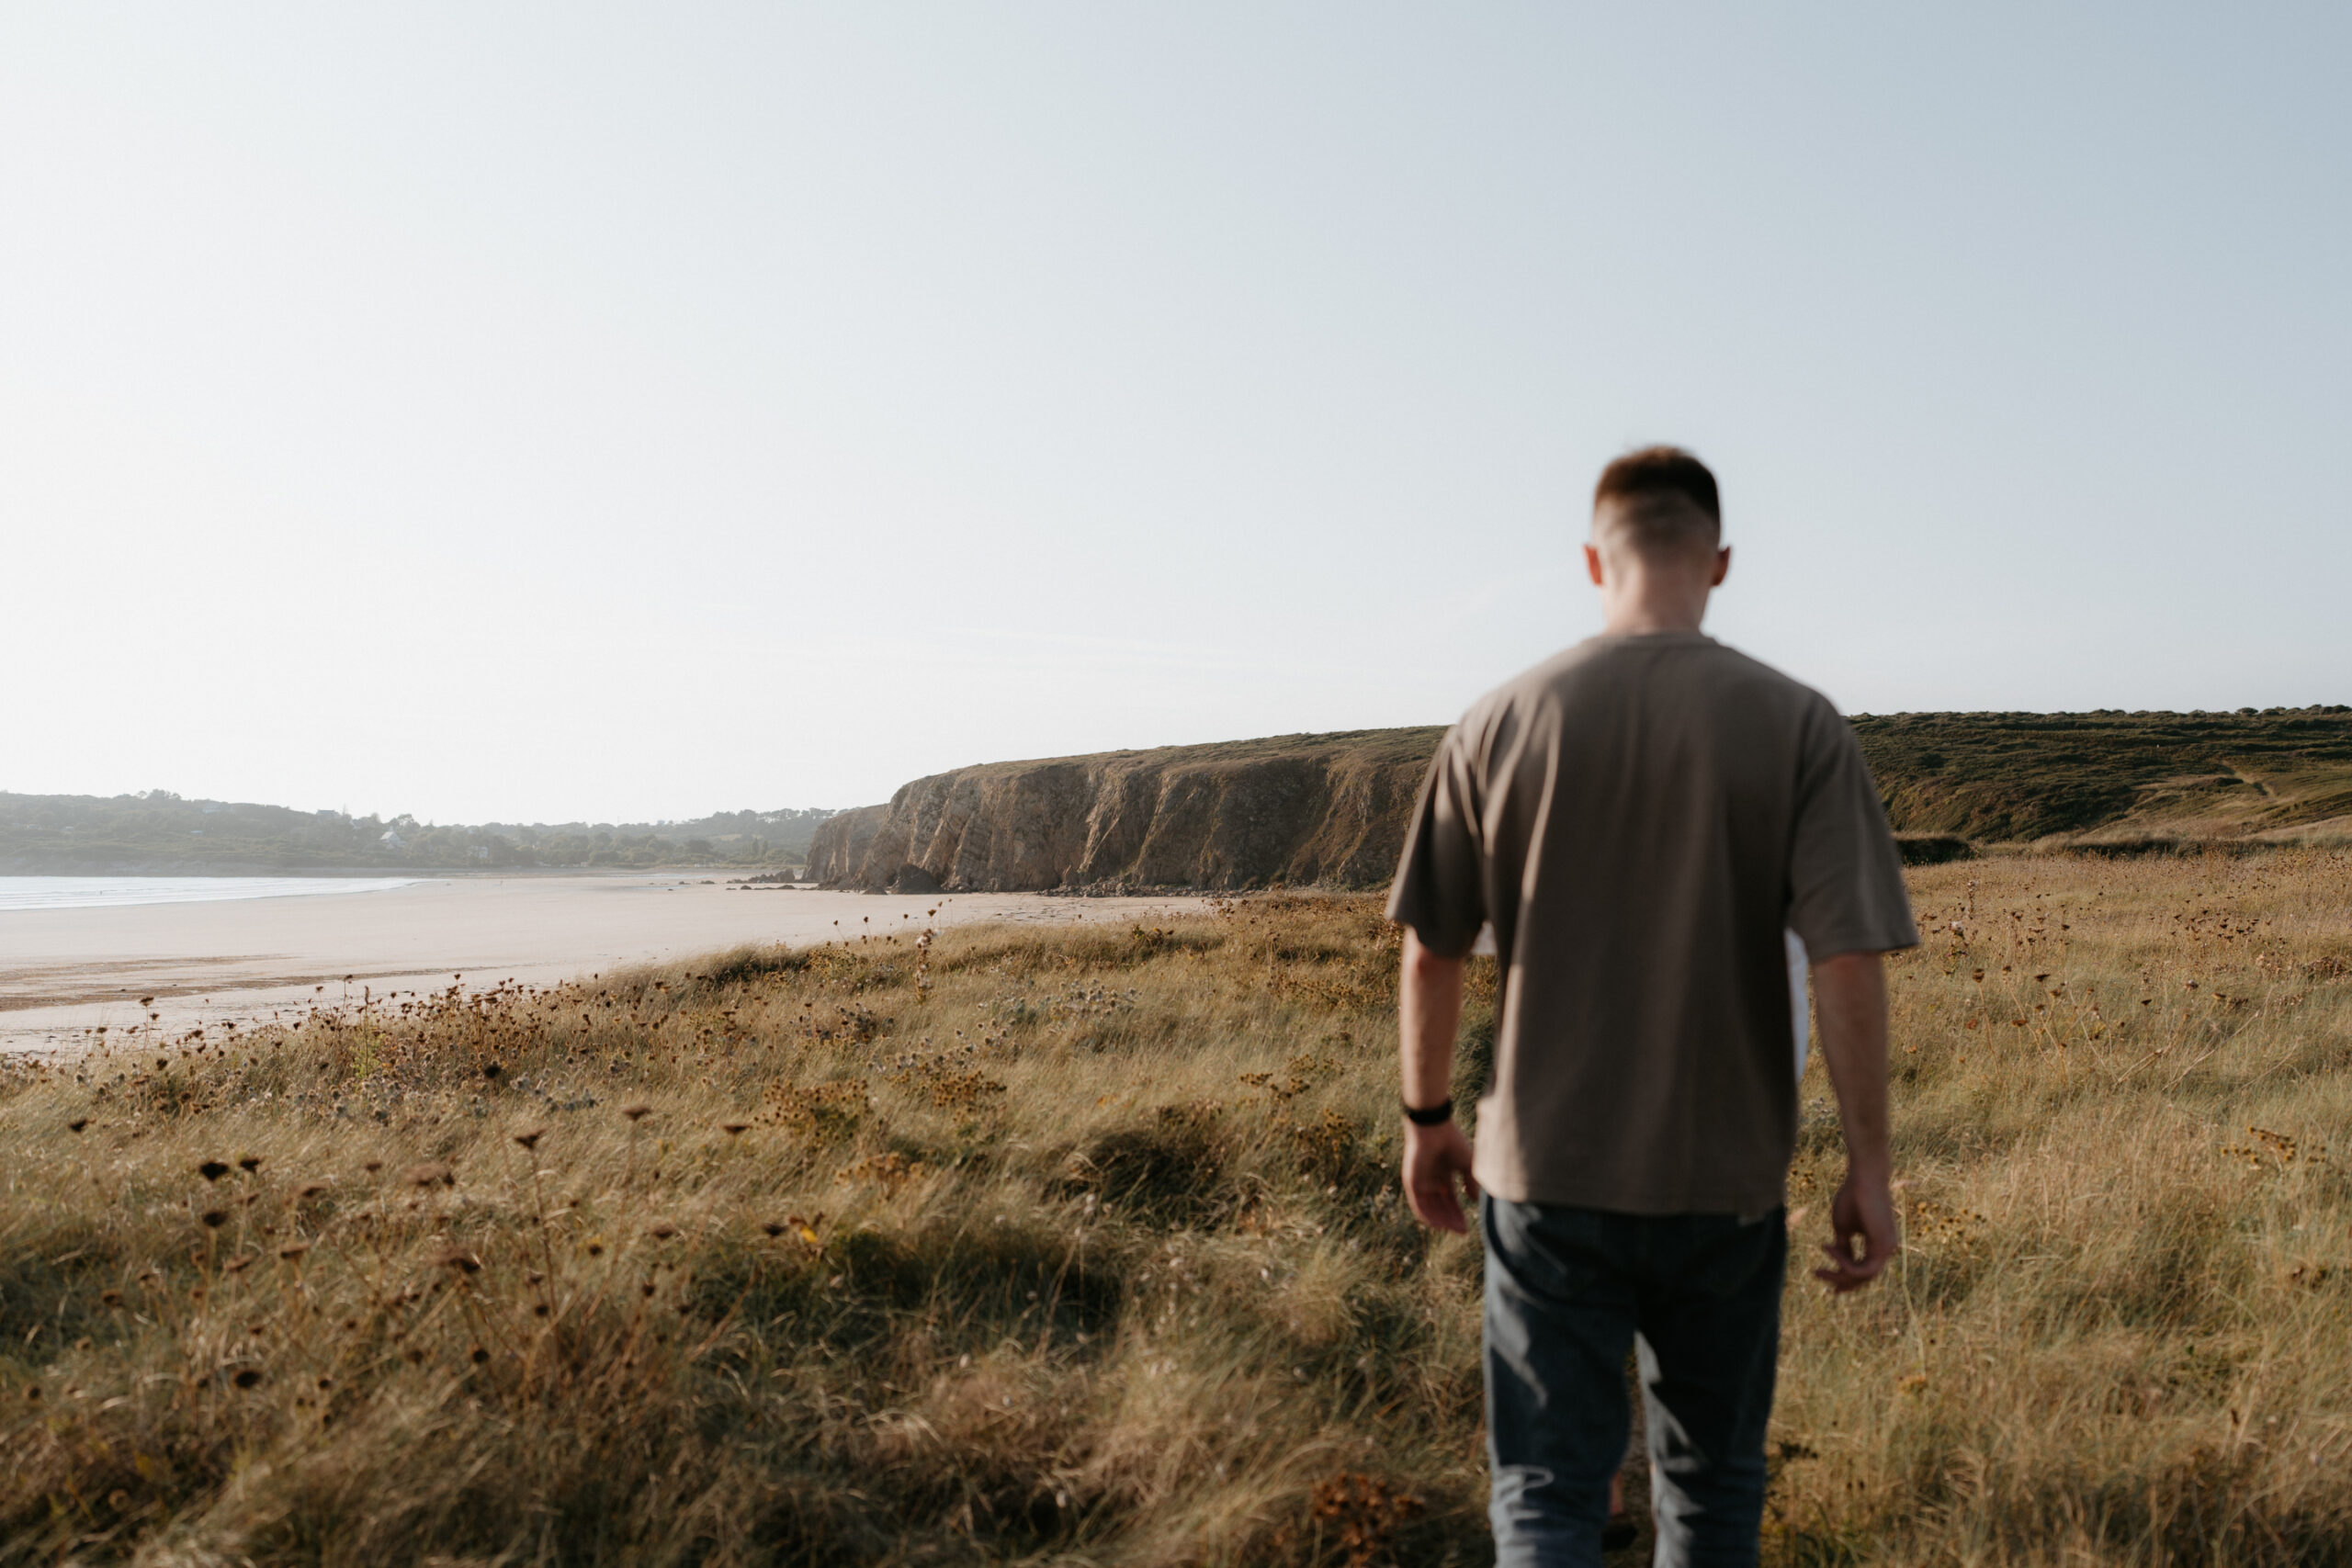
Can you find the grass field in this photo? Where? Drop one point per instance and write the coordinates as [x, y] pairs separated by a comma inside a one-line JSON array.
[[1083, 1247]]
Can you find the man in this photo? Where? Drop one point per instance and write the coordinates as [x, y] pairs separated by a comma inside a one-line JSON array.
[[1638, 818]]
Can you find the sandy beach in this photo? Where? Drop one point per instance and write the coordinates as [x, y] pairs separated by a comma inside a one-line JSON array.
[[65, 972]]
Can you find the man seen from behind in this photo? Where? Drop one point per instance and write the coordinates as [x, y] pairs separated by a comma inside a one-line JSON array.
[[1638, 818]]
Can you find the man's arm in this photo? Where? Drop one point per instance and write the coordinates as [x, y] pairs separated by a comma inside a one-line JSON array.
[[1849, 990], [1428, 1011]]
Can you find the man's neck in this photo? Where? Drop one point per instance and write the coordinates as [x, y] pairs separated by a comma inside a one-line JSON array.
[[1646, 620]]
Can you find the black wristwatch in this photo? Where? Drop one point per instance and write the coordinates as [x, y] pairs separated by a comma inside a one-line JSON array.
[[1436, 1115]]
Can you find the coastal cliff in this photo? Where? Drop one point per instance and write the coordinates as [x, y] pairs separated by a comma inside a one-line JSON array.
[[1330, 809]]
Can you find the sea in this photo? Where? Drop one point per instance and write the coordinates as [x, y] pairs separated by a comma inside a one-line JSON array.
[[104, 892]]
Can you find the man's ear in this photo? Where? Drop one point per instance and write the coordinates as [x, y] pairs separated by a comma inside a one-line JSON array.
[[1723, 568], [1593, 564]]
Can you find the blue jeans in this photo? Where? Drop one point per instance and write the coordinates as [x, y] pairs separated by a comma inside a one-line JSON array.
[[1568, 1291]]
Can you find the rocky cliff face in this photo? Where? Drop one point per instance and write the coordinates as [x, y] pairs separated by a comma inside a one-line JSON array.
[[1298, 808]]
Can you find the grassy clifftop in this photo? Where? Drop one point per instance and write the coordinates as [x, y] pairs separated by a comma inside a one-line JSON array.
[[2115, 777], [1332, 809]]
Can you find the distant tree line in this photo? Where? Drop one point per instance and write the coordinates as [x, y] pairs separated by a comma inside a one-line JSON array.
[[158, 831]]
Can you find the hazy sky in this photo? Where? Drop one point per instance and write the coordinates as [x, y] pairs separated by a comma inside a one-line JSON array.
[[564, 411]]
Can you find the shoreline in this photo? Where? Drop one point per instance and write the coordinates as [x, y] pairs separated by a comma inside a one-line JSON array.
[[67, 973]]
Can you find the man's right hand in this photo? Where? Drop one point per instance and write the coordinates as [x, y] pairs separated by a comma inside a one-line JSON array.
[[1434, 1156], [1864, 1210]]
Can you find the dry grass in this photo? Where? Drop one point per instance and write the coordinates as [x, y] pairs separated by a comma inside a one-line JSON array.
[[1082, 1248], [1012, 1247], [2120, 1331]]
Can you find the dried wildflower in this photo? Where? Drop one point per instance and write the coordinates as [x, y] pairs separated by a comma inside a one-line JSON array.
[[249, 1163], [636, 1112], [774, 1228], [661, 1230], [734, 1129], [457, 1257], [212, 1170], [372, 1166], [595, 1247], [529, 1137], [491, 1070], [77, 1123], [429, 1175], [309, 1190], [214, 1218], [479, 1357]]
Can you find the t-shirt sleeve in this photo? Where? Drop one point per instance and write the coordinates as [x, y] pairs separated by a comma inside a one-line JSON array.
[[1846, 892], [1440, 885]]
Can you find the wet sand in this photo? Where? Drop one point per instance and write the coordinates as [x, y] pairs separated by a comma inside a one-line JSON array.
[[65, 972]]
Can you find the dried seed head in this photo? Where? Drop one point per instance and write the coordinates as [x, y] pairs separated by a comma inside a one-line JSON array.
[[110, 1298], [529, 1137], [429, 1175], [460, 1259], [238, 1264], [635, 1112], [480, 1356], [212, 1170], [734, 1129], [214, 1218], [372, 1166], [661, 1230], [247, 1377], [293, 1250], [490, 1070], [77, 1123], [309, 1190], [774, 1228], [249, 1163]]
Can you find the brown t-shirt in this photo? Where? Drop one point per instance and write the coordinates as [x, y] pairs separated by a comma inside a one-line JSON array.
[[1639, 817]]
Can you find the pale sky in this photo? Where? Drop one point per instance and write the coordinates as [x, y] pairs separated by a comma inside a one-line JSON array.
[[562, 412]]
